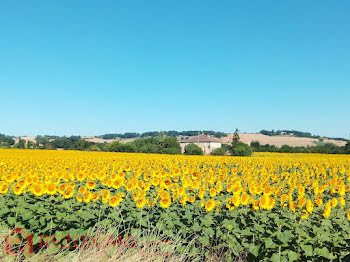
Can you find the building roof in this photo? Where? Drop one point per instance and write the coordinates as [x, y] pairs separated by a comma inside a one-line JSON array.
[[201, 139]]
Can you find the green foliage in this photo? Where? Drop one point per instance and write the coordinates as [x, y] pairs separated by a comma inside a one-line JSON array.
[[30, 144], [326, 148], [266, 235], [114, 147], [155, 145], [43, 141], [255, 144], [83, 145], [147, 145], [109, 136], [21, 144], [66, 142], [125, 135], [170, 145], [286, 149], [288, 132], [193, 149], [129, 148], [218, 151], [347, 148], [94, 148], [170, 142], [235, 138], [226, 147], [241, 149], [69, 143], [297, 134], [171, 151], [6, 141], [171, 133], [150, 134], [320, 148], [149, 148]]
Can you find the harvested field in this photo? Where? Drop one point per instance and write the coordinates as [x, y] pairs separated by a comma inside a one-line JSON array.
[[279, 140]]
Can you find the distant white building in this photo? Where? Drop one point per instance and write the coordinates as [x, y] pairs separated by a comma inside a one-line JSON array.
[[206, 143]]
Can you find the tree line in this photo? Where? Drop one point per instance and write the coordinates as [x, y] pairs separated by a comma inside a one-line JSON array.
[[321, 148], [171, 133], [297, 134]]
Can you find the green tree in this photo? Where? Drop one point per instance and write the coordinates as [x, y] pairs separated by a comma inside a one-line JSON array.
[[115, 147], [235, 138], [347, 147], [193, 149], [6, 141], [42, 140], [30, 144], [255, 145], [171, 151], [218, 152], [94, 148], [21, 144], [286, 149], [129, 147], [82, 145], [241, 149], [170, 145], [149, 148], [162, 134]]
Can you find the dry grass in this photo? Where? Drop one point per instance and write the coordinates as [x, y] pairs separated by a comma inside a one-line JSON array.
[[150, 247], [100, 250]]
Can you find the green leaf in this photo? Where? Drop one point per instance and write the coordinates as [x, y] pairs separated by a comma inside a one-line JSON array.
[[246, 232], [269, 243], [143, 222], [170, 224], [276, 258], [301, 232], [42, 210], [255, 250], [86, 215], [284, 237], [205, 241], [307, 249], [34, 222], [43, 220], [106, 222], [11, 221], [259, 228], [207, 221], [36, 239], [293, 256], [60, 215], [324, 252], [3, 210], [209, 231], [196, 227], [188, 215]]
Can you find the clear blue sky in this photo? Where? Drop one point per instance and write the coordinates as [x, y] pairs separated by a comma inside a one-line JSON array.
[[95, 67]]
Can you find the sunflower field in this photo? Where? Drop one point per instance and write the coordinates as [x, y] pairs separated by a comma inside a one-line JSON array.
[[269, 207]]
